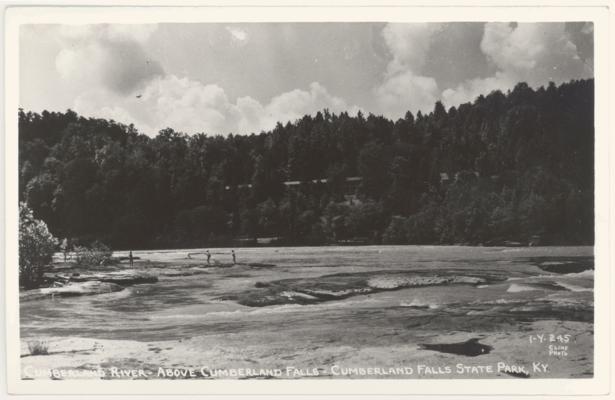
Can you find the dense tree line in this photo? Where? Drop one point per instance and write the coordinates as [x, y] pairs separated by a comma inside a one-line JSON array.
[[512, 166]]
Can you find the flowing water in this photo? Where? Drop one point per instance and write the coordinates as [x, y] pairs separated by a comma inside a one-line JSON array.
[[322, 306]]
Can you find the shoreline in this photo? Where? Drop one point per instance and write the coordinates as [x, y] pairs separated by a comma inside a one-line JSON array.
[[381, 307], [90, 354], [342, 245]]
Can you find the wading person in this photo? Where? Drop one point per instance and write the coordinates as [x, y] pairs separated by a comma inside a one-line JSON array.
[[130, 258], [234, 258], [65, 249], [208, 256]]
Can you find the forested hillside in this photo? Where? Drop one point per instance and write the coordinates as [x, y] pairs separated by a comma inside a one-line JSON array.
[[508, 167]]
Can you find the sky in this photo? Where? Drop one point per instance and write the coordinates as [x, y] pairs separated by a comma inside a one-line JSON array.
[[219, 78]]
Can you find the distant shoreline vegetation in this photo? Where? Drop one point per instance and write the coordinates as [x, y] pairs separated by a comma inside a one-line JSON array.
[[507, 169]]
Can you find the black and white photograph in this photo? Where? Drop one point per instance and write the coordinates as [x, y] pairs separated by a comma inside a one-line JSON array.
[[306, 200]]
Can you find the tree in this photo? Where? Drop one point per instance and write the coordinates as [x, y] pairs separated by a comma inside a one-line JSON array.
[[504, 167], [36, 248], [395, 233], [373, 165]]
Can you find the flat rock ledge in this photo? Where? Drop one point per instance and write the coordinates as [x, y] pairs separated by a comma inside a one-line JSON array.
[[124, 278], [73, 289], [75, 284]]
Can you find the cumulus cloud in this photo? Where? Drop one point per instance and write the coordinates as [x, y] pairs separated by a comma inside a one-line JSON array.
[[191, 106], [405, 91], [404, 87], [408, 44], [294, 104], [535, 53], [121, 81], [111, 56], [471, 89], [110, 67]]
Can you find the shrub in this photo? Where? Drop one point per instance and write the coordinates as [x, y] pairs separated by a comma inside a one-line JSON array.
[[97, 254], [36, 248], [38, 347]]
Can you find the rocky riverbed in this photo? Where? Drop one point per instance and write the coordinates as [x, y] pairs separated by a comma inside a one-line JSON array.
[[336, 312]]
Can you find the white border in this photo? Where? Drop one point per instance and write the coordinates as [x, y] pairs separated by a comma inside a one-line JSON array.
[[600, 14]]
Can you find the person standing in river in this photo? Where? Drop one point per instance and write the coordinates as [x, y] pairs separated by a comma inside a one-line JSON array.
[[130, 258], [234, 257], [64, 246], [208, 256]]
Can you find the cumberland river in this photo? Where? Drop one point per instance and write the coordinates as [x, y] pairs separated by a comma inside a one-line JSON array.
[[322, 312]]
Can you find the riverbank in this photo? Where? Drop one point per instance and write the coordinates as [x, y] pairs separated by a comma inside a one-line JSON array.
[[256, 351], [383, 307]]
